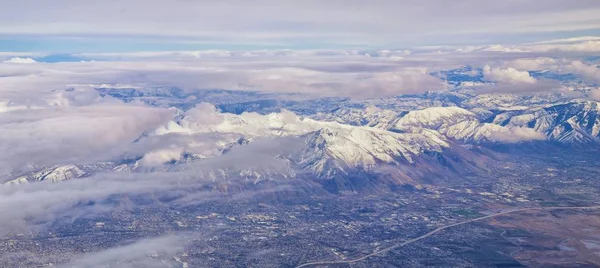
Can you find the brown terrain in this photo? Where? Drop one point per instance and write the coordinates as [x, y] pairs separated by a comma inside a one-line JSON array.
[[568, 238]]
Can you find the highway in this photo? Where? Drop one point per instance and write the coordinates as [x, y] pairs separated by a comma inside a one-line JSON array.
[[308, 264]]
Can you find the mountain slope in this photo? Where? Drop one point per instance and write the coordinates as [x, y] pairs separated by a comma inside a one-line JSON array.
[[572, 122], [432, 118]]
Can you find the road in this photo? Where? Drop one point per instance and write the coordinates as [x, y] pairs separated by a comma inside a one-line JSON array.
[[308, 264]]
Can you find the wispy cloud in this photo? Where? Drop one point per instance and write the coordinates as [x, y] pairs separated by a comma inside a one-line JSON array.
[[149, 252]]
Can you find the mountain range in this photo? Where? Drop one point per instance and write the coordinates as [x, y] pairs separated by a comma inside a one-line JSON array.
[[341, 144]]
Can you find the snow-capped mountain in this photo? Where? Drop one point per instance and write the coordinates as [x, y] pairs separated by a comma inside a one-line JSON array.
[[370, 116], [61, 173], [432, 118], [342, 144], [476, 132], [342, 158], [295, 145], [345, 148], [509, 102], [571, 122]]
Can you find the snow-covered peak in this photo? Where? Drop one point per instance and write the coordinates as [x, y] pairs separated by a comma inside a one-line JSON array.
[[511, 102], [572, 122], [207, 119], [52, 174], [433, 118], [369, 116], [328, 146], [476, 132], [345, 147]]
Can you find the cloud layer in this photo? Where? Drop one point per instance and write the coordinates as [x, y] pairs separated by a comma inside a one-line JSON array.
[[306, 22], [40, 137]]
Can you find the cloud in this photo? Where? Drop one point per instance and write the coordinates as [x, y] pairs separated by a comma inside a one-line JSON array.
[[595, 94], [149, 252], [507, 75], [311, 21], [19, 60], [161, 156], [589, 72], [516, 134], [32, 205], [42, 201], [48, 136], [570, 40], [205, 114], [501, 48], [378, 84], [534, 64], [577, 46], [587, 46], [352, 76], [95, 133]]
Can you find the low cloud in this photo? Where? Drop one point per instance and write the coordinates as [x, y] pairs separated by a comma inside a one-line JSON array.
[[588, 72], [150, 252], [161, 156], [572, 46], [507, 75], [534, 64], [43, 202], [514, 81], [18, 60], [346, 76], [595, 94], [48, 136], [516, 134], [579, 47]]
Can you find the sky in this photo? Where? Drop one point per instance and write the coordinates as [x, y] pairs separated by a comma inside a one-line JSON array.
[[64, 26]]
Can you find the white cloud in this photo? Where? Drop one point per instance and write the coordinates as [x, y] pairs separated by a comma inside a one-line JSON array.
[[205, 114], [37, 203], [552, 48], [534, 64], [149, 252], [351, 75], [516, 134], [19, 60], [161, 156], [570, 40], [47, 136], [587, 46], [507, 75], [588, 72], [501, 48]]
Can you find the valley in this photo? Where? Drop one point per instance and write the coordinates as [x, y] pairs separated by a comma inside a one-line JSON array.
[[287, 228]]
